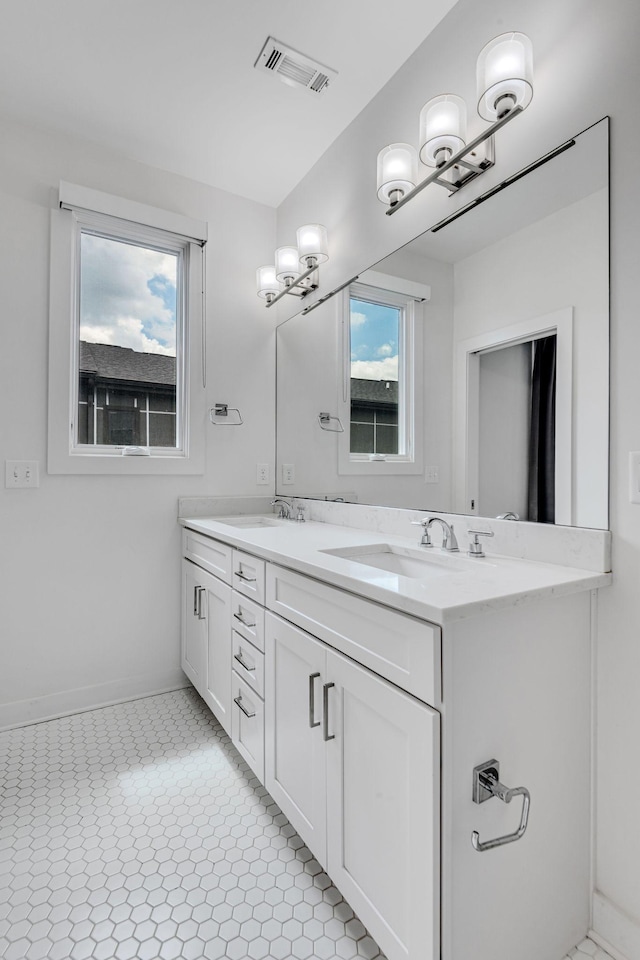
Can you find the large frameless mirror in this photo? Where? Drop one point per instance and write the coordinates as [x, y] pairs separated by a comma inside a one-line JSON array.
[[467, 372]]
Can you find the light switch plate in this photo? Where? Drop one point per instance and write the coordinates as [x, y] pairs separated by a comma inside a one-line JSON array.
[[634, 476], [21, 473]]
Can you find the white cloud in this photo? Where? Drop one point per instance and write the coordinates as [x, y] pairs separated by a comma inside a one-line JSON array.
[[126, 332], [386, 369], [358, 319], [386, 350], [117, 304]]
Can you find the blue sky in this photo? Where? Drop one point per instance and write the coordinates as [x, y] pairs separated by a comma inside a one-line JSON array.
[[128, 295], [374, 340]]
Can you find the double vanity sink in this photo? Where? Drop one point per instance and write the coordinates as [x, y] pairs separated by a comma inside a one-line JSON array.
[[369, 681], [403, 561], [432, 583]]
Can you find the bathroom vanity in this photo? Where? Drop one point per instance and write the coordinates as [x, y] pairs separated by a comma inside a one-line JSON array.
[[365, 679]]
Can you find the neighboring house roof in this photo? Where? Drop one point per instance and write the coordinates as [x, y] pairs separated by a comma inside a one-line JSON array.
[[374, 391], [107, 362]]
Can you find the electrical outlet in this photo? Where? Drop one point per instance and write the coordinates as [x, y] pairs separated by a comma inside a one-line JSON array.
[[262, 473], [431, 475], [21, 473], [288, 473]]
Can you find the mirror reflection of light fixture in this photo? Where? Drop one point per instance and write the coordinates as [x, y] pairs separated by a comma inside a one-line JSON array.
[[296, 268], [505, 88]]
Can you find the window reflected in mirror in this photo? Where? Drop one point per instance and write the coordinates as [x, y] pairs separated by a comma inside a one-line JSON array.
[[374, 337]]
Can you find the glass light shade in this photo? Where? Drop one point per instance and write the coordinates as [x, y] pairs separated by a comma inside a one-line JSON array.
[[505, 75], [443, 127], [312, 242], [287, 263], [266, 281], [397, 171]]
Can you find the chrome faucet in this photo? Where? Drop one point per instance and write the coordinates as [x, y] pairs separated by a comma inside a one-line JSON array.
[[449, 541], [284, 512]]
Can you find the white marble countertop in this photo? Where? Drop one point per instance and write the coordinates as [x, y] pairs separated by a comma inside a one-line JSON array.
[[457, 587]]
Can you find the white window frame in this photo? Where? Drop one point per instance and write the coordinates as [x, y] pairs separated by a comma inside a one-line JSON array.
[[408, 297], [82, 208]]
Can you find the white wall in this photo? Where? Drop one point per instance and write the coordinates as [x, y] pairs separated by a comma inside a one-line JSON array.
[[586, 66], [557, 262], [89, 566], [503, 436]]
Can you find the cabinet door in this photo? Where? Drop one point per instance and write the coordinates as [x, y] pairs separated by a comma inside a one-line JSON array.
[[194, 652], [295, 769], [247, 725], [217, 692], [383, 813]]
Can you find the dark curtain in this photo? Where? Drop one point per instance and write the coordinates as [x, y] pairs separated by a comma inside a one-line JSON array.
[[542, 435]]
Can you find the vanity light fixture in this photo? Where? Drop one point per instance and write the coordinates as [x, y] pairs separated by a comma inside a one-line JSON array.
[[505, 88], [296, 268]]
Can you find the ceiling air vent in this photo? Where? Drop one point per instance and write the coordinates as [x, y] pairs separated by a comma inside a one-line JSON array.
[[293, 67]]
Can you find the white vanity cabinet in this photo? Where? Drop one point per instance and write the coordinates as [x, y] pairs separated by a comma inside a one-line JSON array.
[[353, 758], [222, 628], [365, 724], [206, 623], [354, 763]]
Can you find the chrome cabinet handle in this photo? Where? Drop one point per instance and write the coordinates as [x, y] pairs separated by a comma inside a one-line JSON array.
[[241, 575], [325, 712], [238, 657], [239, 617], [312, 700], [195, 600], [486, 785], [201, 615], [238, 701]]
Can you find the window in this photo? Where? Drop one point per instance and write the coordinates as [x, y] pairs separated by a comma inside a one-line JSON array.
[[381, 394], [126, 338], [375, 331]]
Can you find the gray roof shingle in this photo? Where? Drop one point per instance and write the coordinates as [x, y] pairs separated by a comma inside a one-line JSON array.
[[374, 391], [108, 362]]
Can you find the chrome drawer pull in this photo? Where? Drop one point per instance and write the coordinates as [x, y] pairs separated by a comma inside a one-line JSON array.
[[238, 657], [312, 700], [325, 712], [486, 784], [241, 576], [239, 617], [201, 615], [238, 701]]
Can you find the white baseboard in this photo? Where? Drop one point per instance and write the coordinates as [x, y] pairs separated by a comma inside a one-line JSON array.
[[55, 705], [614, 930]]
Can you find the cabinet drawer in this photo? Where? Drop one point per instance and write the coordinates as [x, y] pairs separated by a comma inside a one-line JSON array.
[[248, 620], [209, 554], [400, 648], [248, 663], [248, 575], [247, 725]]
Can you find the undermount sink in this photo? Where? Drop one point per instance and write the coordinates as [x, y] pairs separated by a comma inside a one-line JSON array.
[[403, 561], [248, 522]]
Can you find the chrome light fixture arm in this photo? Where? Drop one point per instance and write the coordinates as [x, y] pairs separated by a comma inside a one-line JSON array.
[[296, 282], [459, 158]]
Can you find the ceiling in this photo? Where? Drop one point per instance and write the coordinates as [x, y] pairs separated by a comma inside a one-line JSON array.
[[171, 82]]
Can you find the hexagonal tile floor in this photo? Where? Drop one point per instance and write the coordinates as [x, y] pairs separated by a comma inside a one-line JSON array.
[[137, 832]]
